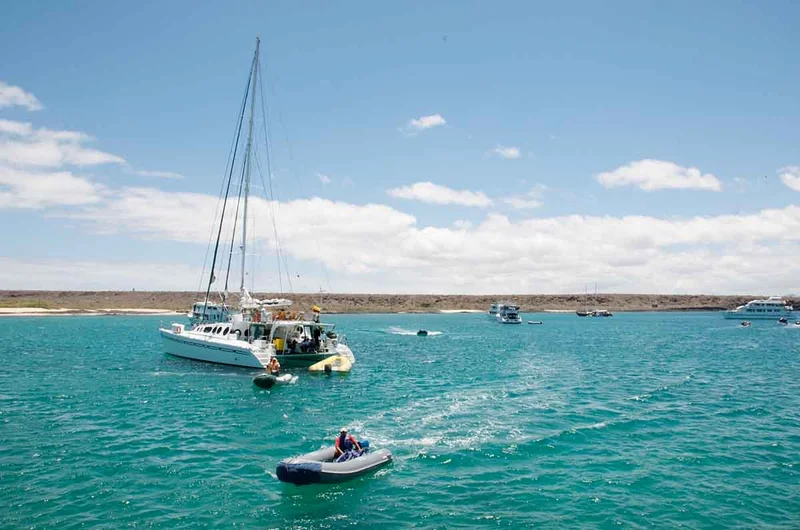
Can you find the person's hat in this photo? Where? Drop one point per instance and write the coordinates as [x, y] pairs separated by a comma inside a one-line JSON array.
[[344, 429]]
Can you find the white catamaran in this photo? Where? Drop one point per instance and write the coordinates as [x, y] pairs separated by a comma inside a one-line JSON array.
[[257, 330]]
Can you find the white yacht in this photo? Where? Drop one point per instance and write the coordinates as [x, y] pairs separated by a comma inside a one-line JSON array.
[[772, 308], [258, 329], [600, 313], [508, 314], [252, 336], [493, 310]]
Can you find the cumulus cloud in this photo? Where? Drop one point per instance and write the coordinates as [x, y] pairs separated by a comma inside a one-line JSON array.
[[23, 146], [58, 273], [424, 122], [11, 96], [159, 174], [753, 253], [790, 176], [431, 193], [35, 167], [506, 153], [15, 128], [40, 189], [651, 175]]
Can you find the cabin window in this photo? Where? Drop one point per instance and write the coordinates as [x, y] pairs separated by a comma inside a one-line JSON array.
[[225, 331], [206, 329]]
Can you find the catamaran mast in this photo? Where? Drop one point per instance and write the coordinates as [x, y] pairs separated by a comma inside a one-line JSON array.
[[247, 160]]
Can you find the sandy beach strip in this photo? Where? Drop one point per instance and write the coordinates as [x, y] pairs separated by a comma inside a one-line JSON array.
[[65, 311]]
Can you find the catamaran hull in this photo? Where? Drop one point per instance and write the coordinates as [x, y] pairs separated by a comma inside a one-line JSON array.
[[209, 351]]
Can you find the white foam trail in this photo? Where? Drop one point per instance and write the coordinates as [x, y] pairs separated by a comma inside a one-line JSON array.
[[394, 330]]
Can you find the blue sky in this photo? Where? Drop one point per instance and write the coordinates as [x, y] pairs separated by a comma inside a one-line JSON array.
[[639, 145]]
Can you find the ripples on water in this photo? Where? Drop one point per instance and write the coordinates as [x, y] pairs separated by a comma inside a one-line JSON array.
[[641, 420]]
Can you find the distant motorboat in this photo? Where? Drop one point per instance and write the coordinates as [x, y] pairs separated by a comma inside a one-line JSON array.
[[535, 322], [769, 308], [601, 313], [583, 313], [508, 314], [493, 310]]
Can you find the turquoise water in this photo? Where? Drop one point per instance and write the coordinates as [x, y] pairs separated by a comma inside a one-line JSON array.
[[641, 420]]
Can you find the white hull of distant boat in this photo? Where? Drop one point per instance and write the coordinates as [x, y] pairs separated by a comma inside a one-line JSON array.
[[219, 350], [772, 308], [508, 314]]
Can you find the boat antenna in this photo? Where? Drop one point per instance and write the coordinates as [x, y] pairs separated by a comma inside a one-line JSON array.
[[212, 277], [247, 160]]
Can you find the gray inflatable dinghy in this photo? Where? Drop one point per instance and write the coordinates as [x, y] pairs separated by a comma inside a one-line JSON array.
[[319, 466]]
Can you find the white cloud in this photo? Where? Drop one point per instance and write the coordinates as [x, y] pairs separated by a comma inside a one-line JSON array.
[[378, 248], [22, 146], [11, 96], [522, 203], [325, 179], [35, 189], [431, 193], [15, 128], [528, 201], [159, 174], [790, 176], [425, 122], [34, 164], [58, 273], [507, 153], [650, 175]]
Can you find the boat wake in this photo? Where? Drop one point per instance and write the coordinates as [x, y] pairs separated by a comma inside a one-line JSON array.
[[394, 330]]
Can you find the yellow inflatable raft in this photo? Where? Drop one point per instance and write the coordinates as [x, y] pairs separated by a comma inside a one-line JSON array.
[[338, 363]]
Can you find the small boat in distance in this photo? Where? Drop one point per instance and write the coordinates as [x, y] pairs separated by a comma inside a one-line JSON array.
[[422, 333], [508, 314], [535, 322], [601, 313], [493, 310], [770, 308], [745, 324]]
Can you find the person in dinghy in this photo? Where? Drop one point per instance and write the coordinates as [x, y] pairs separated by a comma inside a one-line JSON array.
[[347, 447], [274, 367]]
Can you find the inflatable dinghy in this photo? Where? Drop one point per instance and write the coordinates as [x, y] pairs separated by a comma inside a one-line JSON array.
[[269, 380], [337, 363], [319, 466]]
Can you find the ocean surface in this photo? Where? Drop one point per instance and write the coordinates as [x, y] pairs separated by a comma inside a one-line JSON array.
[[643, 420]]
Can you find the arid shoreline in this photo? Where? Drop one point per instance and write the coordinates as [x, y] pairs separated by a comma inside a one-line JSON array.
[[110, 302]]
